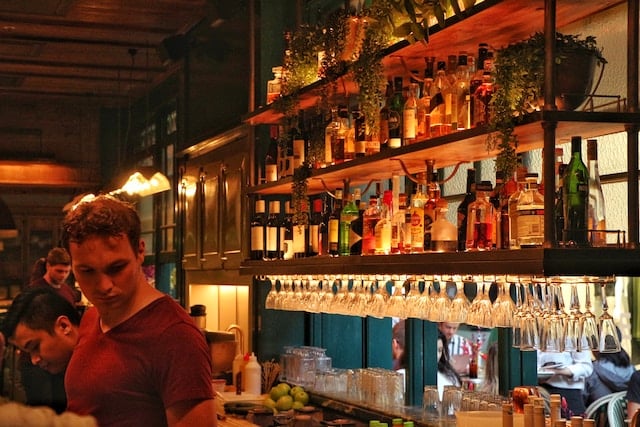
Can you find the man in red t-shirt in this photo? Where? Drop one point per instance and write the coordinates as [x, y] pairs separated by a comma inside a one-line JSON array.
[[140, 359]]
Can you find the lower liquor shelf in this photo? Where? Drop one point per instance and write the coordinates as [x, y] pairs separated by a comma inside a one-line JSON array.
[[538, 261]]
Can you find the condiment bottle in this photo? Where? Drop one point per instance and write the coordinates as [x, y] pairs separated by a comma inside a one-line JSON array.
[[253, 376]]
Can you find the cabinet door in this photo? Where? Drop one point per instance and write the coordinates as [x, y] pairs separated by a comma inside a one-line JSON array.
[[210, 206], [188, 200], [232, 230]]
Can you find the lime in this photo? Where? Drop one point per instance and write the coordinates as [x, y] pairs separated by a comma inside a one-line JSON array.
[[295, 389], [297, 405], [302, 397], [285, 387], [277, 392], [284, 403], [269, 403]]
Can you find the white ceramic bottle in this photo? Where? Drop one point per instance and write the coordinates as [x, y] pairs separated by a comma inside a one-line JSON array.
[[253, 376]]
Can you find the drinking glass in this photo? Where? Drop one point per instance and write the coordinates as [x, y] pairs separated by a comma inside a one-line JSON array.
[[425, 302], [451, 401], [573, 323], [503, 307], [396, 306], [412, 299], [441, 302], [589, 332], [480, 308], [459, 305], [553, 327], [338, 304], [313, 298], [380, 298], [609, 341], [431, 404], [326, 294], [270, 302]]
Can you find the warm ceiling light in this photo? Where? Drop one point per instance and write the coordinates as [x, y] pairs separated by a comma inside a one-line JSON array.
[[8, 228], [139, 185], [157, 184]]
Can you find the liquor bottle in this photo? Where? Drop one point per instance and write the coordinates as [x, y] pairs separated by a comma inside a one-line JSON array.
[[410, 115], [317, 230], [398, 228], [431, 204], [469, 197], [355, 238], [270, 160], [396, 105], [496, 201], [286, 230], [339, 137], [257, 231], [596, 212], [299, 138], [423, 129], [360, 133], [417, 220], [530, 213], [300, 232], [558, 208], [461, 116], [521, 172], [473, 362], [285, 153], [329, 136], [334, 224], [370, 218], [438, 102], [575, 187], [480, 219], [348, 214], [348, 122], [510, 187], [444, 234], [274, 235], [383, 227], [384, 118]]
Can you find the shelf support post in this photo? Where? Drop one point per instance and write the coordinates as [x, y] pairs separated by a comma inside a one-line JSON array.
[[633, 18], [549, 127]]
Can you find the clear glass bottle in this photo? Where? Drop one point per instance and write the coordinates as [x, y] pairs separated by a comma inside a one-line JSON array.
[[430, 204], [417, 220], [329, 136], [575, 187], [423, 129], [596, 215], [480, 219], [383, 226], [461, 116], [410, 115], [444, 234], [439, 89], [530, 213], [398, 228]]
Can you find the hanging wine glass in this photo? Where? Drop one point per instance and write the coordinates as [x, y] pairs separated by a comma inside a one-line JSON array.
[[553, 336], [270, 302], [326, 294], [459, 305], [589, 332], [503, 307], [573, 328], [609, 341], [338, 305], [380, 298], [530, 336], [518, 314], [441, 301], [396, 306], [480, 308], [412, 299], [425, 301], [313, 299]]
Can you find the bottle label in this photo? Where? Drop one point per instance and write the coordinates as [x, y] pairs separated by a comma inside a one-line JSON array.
[[334, 226], [271, 173], [299, 233], [257, 238], [409, 123], [272, 238]]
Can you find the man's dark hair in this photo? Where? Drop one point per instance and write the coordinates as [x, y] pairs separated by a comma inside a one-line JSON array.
[[38, 308], [103, 216]]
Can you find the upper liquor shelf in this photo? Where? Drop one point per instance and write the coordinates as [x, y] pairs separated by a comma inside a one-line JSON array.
[[464, 146], [497, 22]]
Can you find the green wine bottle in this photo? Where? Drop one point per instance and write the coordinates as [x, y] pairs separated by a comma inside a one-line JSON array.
[[576, 197], [349, 214]]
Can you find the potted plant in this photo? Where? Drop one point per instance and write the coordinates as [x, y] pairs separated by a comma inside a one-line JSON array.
[[518, 82]]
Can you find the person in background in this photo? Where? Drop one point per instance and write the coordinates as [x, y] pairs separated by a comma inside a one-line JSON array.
[[611, 373], [633, 395], [570, 372], [446, 374], [459, 347], [491, 382], [140, 359], [44, 327], [397, 346], [57, 271]]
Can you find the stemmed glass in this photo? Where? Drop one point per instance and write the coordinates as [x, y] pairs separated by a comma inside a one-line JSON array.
[[518, 314], [270, 302], [480, 309], [589, 332], [459, 305], [380, 298], [326, 294], [412, 299], [530, 337], [338, 305], [313, 298], [441, 303], [609, 341], [553, 326], [425, 302], [503, 306], [573, 335], [396, 306]]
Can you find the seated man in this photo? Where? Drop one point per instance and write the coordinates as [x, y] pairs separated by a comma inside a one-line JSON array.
[[44, 326]]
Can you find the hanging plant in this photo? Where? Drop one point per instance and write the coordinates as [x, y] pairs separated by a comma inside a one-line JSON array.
[[518, 80], [299, 197]]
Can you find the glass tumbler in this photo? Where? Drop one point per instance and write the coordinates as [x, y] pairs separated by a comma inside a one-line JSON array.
[[431, 405]]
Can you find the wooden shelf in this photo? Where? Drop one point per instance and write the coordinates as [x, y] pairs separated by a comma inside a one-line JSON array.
[[464, 146], [547, 262], [497, 22]]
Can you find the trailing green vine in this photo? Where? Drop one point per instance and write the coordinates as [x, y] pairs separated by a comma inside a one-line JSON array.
[[299, 196]]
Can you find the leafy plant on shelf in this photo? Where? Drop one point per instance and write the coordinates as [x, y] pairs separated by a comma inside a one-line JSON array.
[[518, 81], [299, 197]]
